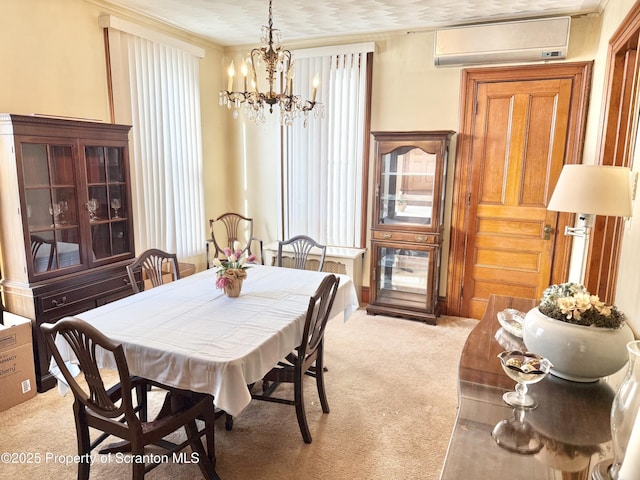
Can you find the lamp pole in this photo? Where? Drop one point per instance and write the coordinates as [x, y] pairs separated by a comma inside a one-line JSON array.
[[583, 230]]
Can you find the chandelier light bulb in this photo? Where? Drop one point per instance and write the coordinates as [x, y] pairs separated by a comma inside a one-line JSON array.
[[316, 83], [231, 73], [244, 71]]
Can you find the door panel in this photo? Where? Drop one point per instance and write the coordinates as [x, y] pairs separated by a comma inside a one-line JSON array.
[[521, 130]]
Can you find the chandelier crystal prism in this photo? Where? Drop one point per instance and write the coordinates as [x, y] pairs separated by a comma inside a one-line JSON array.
[[274, 64]]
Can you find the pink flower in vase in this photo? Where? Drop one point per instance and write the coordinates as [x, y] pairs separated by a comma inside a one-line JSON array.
[[235, 261]]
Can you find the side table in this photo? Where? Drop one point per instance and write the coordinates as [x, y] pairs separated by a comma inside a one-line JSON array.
[[572, 419]]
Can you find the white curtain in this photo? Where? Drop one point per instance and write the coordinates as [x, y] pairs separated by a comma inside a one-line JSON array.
[[323, 162], [166, 152]]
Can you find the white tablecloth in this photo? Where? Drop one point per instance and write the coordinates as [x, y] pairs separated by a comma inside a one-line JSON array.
[[188, 334]]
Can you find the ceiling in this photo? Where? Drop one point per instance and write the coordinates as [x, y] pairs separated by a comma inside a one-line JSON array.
[[238, 22]]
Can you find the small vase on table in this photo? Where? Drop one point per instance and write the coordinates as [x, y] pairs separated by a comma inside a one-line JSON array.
[[234, 278], [232, 271]]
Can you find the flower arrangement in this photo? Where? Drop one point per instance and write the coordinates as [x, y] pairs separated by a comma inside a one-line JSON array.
[[572, 303], [233, 267]]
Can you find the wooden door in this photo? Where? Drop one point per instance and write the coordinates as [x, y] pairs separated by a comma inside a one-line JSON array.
[[522, 129]]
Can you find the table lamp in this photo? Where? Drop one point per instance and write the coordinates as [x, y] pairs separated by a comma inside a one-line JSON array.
[[590, 190]]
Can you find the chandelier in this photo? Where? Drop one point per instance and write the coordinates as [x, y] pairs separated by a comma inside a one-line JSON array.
[[276, 64]]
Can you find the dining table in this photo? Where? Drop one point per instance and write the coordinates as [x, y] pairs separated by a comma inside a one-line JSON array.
[[188, 334]]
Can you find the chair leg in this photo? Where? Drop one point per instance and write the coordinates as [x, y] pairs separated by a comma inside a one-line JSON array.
[[228, 419], [228, 422], [206, 460], [300, 413], [84, 442], [141, 395], [210, 425], [320, 384], [138, 467]]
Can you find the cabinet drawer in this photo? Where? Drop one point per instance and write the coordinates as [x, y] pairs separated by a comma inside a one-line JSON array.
[[66, 310], [82, 293], [428, 238]]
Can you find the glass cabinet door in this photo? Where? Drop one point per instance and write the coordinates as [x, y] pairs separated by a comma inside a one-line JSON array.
[[404, 276], [107, 201], [407, 186], [51, 206]]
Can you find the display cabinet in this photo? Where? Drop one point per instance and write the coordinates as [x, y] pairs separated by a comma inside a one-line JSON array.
[[407, 224], [66, 228]]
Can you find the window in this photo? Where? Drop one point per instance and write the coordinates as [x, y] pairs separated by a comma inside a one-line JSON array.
[[156, 89], [323, 163]]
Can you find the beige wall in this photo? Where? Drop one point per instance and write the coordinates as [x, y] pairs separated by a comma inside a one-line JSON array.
[[53, 62], [52, 59]]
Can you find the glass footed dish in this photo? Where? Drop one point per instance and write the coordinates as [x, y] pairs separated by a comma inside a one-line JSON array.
[[511, 320], [525, 368]]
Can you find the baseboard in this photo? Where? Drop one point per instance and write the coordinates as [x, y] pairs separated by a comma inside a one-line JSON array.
[[364, 300]]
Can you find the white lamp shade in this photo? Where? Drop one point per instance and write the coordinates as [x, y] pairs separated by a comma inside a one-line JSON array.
[[593, 189]]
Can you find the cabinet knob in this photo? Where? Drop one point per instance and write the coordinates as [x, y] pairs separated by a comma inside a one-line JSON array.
[[386, 236], [421, 238], [57, 303]]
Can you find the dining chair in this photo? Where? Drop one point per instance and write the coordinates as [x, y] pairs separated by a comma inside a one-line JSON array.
[[306, 359], [36, 244], [228, 229], [113, 412], [302, 246], [152, 265]]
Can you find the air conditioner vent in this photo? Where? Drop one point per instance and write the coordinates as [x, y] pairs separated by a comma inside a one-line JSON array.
[[521, 41]]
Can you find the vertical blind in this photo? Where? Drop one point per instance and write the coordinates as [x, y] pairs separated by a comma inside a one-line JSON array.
[[166, 163], [323, 162]]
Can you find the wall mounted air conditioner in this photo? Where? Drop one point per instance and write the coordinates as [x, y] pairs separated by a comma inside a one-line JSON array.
[[519, 41]]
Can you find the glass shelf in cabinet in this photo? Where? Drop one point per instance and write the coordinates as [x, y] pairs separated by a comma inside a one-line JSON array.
[[409, 198], [405, 296], [408, 174]]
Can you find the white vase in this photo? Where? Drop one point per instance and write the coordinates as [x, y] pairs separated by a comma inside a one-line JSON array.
[[578, 353]]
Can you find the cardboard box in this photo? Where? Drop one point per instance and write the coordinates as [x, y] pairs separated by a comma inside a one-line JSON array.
[[186, 269], [17, 371]]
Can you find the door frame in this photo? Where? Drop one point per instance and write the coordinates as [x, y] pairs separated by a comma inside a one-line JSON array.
[[580, 74], [616, 146]]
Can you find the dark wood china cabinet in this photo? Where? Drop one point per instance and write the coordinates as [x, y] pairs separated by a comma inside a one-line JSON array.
[[407, 223], [65, 219]]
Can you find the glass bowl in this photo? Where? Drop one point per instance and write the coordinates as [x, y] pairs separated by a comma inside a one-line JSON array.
[[511, 320], [525, 368]]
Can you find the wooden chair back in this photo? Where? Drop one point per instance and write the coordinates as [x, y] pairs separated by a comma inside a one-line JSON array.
[[36, 244], [228, 229], [302, 246], [320, 305], [152, 265], [86, 342]]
